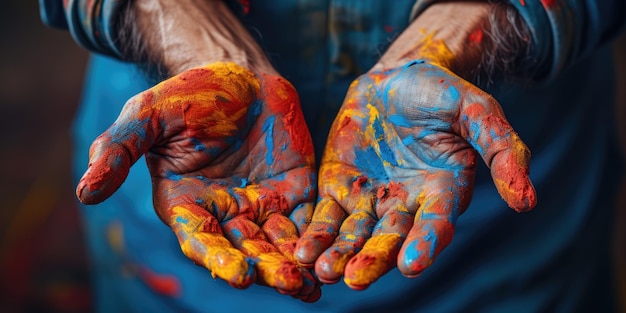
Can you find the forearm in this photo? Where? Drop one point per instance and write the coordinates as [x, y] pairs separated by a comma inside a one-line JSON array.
[[173, 36], [479, 41]]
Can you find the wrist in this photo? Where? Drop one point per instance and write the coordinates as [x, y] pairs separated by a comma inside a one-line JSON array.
[[175, 36], [479, 41], [443, 33]]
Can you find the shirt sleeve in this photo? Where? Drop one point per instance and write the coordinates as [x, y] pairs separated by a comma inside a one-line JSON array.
[[90, 22], [564, 31]]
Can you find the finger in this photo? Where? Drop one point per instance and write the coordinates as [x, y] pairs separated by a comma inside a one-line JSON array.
[[301, 216], [201, 239], [380, 253], [354, 232], [273, 268], [488, 131], [113, 153], [283, 234], [321, 233], [432, 230], [311, 290]]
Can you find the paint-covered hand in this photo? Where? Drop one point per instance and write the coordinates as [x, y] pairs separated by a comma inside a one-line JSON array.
[[232, 169], [399, 168]]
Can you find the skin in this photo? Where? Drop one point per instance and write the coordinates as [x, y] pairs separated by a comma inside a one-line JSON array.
[[400, 160], [232, 165], [227, 147], [232, 170]]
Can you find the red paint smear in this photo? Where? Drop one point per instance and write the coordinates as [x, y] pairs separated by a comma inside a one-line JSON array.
[[274, 201], [522, 2], [388, 28], [549, 4], [293, 119], [394, 190], [166, 285], [476, 36], [358, 184], [515, 178], [246, 6]]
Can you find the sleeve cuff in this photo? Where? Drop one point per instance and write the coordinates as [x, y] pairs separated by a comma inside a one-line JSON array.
[[92, 24]]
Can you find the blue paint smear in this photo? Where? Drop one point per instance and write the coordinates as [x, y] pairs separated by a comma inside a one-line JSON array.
[[268, 129], [254, 110], [198, 146], [476, 129], [307, 192], [408, 140], [399, 120], [182, 220], [202, 178], [454, 93], [411, 63], [434, 239], [370, 162], [200, 201], [385, 151], [173, 176], [412, 253], [134, 128], [243, 183], [237, 233]]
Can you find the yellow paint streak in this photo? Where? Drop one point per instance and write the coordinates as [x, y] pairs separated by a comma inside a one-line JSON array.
[[221, 259], [269, 270], [339, 263], [505, 189], [376, 139], [520, 150], [271, 267], [373, 261], [212, 250], [282, 93], [323, 211], [434, 50]]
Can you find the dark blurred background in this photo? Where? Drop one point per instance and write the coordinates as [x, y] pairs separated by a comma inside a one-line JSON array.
[[43, 265]]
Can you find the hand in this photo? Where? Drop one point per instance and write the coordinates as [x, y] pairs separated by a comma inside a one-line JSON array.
[[398, 170], [232, 167]]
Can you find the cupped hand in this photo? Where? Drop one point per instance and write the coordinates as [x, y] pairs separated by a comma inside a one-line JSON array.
[[232, 169], [398, 170]]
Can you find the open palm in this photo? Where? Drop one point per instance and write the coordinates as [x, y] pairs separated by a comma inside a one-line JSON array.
[[398, 169], [232, 169]]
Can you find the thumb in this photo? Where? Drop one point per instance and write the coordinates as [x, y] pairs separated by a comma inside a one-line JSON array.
[[488, 131], [113, 153]]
